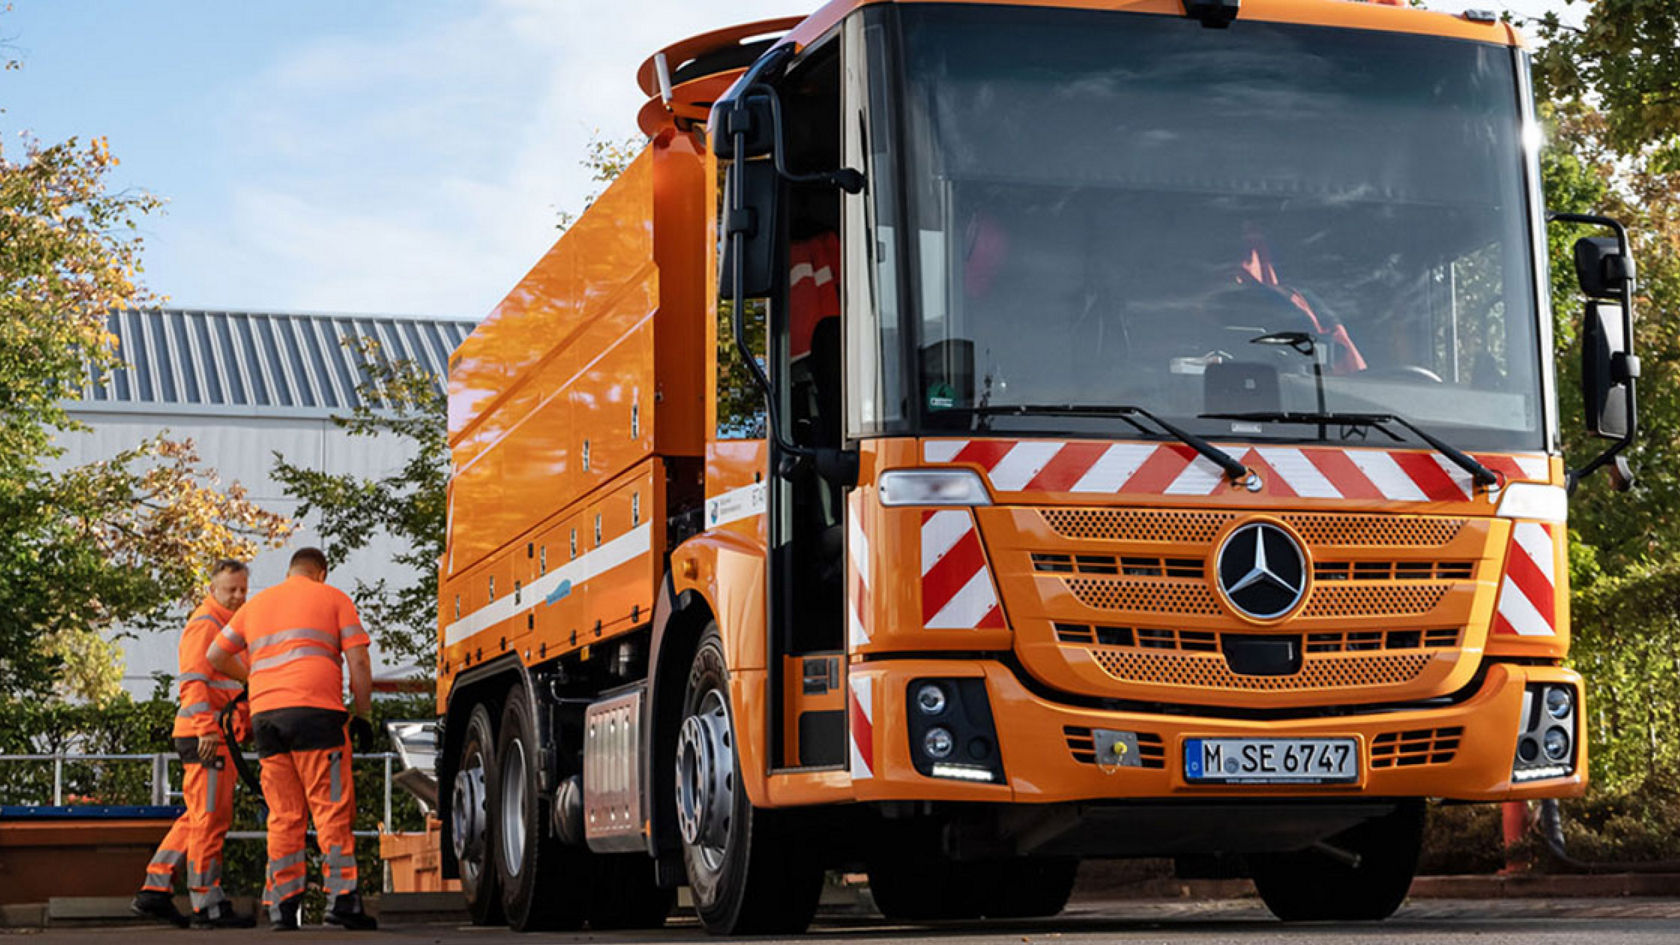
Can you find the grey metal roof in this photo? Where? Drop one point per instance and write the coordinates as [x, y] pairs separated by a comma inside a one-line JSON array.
[[256, 362]]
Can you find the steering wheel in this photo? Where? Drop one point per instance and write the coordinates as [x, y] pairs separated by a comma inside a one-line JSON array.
[[1404, 372]]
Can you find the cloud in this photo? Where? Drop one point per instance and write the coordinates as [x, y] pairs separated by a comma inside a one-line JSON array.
[[418, 170]]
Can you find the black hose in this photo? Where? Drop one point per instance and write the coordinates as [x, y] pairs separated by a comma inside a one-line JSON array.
[[1551, 827]]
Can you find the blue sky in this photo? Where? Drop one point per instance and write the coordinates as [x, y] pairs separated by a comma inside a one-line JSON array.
[[363, 157], [368, 156]]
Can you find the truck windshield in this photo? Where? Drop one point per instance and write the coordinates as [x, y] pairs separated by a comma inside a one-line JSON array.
[[1109, 208]]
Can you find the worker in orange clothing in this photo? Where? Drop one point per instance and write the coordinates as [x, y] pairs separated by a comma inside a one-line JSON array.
[[299, 634], [194, 843]]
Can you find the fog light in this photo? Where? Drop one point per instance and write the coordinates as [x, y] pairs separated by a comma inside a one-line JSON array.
[[1528, 749], [938, 743], [1557, 744], [1559, 703], [930, 699]]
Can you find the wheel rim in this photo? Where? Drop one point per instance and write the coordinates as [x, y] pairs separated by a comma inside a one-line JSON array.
[[467, 823], [706, 779], [513, 807]]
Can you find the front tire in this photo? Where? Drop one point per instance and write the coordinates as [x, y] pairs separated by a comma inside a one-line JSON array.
[[545, 884], [747, 870], [470, 818], [1311, 885]]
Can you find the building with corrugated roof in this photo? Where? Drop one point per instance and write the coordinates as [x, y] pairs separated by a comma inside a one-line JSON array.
[[245, 386]]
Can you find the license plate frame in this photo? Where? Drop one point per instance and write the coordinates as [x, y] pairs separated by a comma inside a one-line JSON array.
[[1262, 760]]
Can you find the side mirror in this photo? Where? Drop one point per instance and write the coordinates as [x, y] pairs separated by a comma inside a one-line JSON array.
[[1603, 269], [1606, 370], [751, 115], [1609, 369], [752, 202]]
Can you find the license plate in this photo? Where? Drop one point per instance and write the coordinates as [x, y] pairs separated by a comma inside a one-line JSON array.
[[1270, 760]]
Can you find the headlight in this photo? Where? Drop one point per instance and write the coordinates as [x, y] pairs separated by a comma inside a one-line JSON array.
[[1558, 703], [1533, 500], [938, 743], [932, 487], [1557, 744], [930, 699]]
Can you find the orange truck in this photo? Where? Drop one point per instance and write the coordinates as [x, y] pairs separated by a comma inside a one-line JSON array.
[[976, 437]]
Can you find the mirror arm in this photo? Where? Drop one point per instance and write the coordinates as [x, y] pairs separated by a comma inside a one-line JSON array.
[[1627, 365], [839, 466], [847, 179]]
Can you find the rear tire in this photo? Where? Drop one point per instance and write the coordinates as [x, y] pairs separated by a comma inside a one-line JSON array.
[[471, 814], [1310, 885], [747, 869], [545, 884]]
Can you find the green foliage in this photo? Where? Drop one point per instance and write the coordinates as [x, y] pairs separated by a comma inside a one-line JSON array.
[[1627, 58], [113, 542], [402, 400]]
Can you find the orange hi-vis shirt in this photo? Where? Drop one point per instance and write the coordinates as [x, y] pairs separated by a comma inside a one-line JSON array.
[[296, 632], [203, 690]]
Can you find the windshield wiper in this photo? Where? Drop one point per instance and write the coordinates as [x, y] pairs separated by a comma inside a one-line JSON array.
[[1232, 466], [1479, 473]]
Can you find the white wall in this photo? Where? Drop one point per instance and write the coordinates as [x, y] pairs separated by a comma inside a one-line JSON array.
[[240, 446]]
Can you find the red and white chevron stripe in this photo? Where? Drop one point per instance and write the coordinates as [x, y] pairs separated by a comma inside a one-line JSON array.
[[1106, 468], [957, 592], [1528, 592], [857, 576], [863, 727]]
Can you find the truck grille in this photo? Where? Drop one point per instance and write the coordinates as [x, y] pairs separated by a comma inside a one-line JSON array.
[[1134, 525], [1083, 747], [1210, 670], [1429, 746], [1207, 641], [1126, 600]]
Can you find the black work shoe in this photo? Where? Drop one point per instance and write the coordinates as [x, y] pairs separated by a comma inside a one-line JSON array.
[[347, 914], [222, 916], [152, 904], [288, 917]]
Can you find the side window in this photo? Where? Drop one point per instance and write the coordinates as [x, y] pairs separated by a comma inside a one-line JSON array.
[[740, 403]]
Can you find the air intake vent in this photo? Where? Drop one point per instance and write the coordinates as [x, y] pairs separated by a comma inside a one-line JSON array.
[[1429, 746], [1393, 570], [1081, 742]]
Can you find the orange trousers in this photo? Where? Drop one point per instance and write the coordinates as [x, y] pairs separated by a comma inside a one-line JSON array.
[[303, 785], [194, 842]]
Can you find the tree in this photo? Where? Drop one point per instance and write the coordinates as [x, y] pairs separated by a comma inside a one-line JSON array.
[[1612, 104], [116, 542], [605, 159], [400, 399]]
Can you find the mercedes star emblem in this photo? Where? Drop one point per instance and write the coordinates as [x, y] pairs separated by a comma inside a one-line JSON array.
[[1262, 571]]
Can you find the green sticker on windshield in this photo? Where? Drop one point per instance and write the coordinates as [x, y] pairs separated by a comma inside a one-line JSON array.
[[941, 396]]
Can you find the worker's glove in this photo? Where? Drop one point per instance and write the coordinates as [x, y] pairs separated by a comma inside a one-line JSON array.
[[361, 734]]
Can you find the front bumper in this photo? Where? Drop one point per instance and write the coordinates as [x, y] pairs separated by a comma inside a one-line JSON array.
[[1039, 741]]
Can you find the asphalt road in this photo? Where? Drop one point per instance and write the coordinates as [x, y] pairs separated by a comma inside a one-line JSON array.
[[1429, 922]]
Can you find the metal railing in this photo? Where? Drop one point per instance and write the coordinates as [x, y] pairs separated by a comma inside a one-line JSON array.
[[162, 793]]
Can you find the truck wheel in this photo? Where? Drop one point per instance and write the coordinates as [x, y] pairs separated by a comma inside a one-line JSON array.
[[626, 895], [1032, 887], [470, 817], [545, 884], [747, 870], [1307, 885]]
